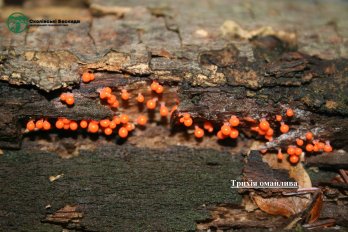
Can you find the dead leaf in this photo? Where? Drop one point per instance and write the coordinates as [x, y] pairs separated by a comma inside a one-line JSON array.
[[286, 206]]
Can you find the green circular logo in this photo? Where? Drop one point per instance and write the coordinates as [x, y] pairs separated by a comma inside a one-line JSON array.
[[17, 22]]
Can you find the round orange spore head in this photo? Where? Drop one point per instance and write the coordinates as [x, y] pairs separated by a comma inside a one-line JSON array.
[[73, 125], [112, 99], [291, 150], [188, 122], [226, 129], [159, 89], [63, 97], [142, 120], [86, 77], [46, 125], [140, 98], [309, 147], [93, 127], [154, 85], [294, 159], [59, 124], [70, 100], [83, 124], [309, 135], [164, 111], [264, 125], [328, 148], [151, 104], [234, 121], [279, 118], [124, 118], [298, 151], [39, 124], [289, 112], [124, 95], [234, 133], [299, 142], [284, 128], [123, 132], [108, 131], [199, 133], [31, 125], [104, 123]]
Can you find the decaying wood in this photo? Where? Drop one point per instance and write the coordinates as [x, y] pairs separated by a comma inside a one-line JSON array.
[[115, 187], [220, 66], [337, 160]]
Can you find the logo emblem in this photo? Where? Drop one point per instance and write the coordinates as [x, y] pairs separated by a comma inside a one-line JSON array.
[[17, 22]]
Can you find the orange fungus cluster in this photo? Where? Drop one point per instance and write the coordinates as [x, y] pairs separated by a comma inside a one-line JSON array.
[[123, 124]]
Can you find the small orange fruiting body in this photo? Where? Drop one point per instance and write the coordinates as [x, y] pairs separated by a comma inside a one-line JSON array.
[[46, 125], [315, 148], [220, 135], [280, 155], [140, 98], [164, 110], [59, 124], [264, 125], [123, 132], [142, 120], [93, 127], [309, 147], [328, 147], [39, 124], [270, 132], [103, 94], [226, 129], [83, 124], [31, 125], [284, 128], [199, 133], [279, 118], [151, 104], [188, 122], [63, 97], [108, 131], [91, 76], [129, 126], [208, 126], [70, 100], [154, 85], [159, 89], [289, 112], [309, 135], [112, 124], [124, 95], [124, 118], [234, 133], [321, 145], [299, 142], [116, 104], [104, 123], [294, 159], [112, 99], [73, 125], [86, 77], [116, 119], [298, 151], [107, 90], [291, 150], [234, 121]]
